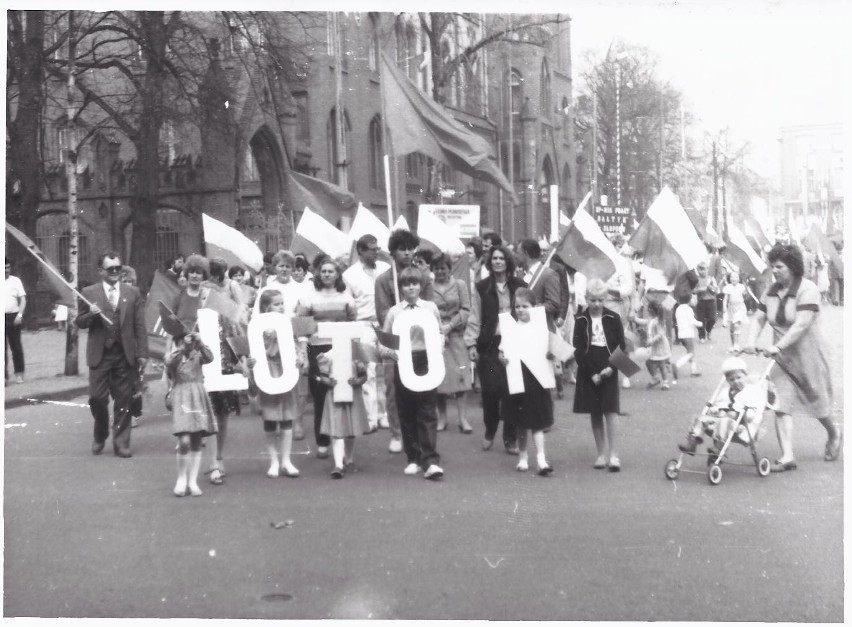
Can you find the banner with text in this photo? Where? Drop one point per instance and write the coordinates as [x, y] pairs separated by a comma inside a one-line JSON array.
[[462, 219], [613, 219]]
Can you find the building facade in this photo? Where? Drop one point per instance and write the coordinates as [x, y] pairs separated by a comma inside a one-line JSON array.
[[811, 183], [253, 125]]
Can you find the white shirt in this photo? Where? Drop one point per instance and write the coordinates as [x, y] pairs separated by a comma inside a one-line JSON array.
[[107, 288], [655, 280], [531, 272], [686, 322], [292, 291], [598, 336], [361, 281], [14, 292]]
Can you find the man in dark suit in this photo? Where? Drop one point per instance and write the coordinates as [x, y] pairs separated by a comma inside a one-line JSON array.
[[544, 281], [116, 351]]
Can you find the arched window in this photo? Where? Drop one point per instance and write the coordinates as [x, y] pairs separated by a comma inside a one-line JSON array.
[[546, 100], [373, 51], [377, 171], [516, 88], [334, 150]]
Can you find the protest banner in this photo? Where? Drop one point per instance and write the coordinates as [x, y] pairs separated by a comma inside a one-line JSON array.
[[463, 220]]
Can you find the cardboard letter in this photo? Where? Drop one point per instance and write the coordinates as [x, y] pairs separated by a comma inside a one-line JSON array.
[[434, 349], [279, 323], [526, 343], [341, 334], [214, 380]]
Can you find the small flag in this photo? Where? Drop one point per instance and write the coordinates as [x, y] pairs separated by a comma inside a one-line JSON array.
[[388, 340], [739, 251], [171, 324], [224, 241], [165, 290], [435, 232], [366, 223], [315, 234]]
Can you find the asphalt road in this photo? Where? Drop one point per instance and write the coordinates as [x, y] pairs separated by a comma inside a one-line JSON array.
[[105, 537]]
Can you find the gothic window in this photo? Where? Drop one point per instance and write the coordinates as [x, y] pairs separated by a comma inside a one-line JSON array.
[[377, 172], [546, 100]]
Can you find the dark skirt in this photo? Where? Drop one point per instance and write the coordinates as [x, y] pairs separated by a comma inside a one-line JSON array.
[[533, 408], [590, 398]]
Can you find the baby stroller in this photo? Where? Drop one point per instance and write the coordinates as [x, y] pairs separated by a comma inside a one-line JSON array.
[[726, 431]]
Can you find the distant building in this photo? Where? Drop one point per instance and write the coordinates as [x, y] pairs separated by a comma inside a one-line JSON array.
[[811, 171]]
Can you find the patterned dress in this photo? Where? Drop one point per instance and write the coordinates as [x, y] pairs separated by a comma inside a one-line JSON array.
[[192, 411], [453, 304], [802, 377]]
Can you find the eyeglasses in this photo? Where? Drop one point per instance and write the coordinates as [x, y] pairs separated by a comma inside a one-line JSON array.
[[112, 270]]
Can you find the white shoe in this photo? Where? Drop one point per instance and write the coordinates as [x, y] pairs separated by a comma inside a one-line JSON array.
[[180, 486], [395, 445], [383, 422], [274, 471], [625, 383], [433, 472], [522, 466], [412, 469]]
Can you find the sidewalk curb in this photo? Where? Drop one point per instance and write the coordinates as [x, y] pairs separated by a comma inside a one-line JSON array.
[[60, 395]]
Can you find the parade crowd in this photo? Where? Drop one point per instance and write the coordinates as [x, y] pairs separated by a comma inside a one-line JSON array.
[[658, 321]]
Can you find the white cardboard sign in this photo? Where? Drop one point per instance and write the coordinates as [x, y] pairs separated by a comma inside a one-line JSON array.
[[527, 343]]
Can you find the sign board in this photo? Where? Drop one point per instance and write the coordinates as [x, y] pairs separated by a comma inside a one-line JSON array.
[[462, 219], [613, 219]]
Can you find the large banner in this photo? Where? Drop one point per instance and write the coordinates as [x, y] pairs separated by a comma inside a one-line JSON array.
[[462, 219], [613, 219]]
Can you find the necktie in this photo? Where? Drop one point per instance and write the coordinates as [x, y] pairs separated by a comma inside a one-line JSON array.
[[113, 298]]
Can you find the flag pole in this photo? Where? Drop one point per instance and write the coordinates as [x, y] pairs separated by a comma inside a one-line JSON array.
[[54, 272], [386, 141]]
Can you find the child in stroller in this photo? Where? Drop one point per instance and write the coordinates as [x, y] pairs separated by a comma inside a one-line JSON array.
[[733, 415]]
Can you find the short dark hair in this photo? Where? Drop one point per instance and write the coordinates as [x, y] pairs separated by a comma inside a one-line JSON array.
[[790, 256], [365, 241], [507, 255], [476, 244], [109, 253], [441, 259], [425, 254], [218, 268], [402, 239], [531, 248], [493, 237], [410, 275], [233, 270], [302, 262]]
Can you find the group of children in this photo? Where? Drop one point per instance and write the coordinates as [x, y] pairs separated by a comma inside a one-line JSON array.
[[659, 363], [193, 418]]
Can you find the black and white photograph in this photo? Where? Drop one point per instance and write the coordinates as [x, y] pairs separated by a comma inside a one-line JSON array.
[[401, 312]]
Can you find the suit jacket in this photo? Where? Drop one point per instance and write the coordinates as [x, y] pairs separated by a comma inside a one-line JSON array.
[[548, 293], [489, 310], [131, 323]]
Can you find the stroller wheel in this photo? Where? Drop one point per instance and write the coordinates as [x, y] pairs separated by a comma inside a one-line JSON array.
[[672, 469], [715, 474], [763, 467]]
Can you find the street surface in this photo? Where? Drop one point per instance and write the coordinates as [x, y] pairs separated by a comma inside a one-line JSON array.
[[90, 536]]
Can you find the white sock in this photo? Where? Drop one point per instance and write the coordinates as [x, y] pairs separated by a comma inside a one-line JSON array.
[[194, 467], [338, 448], [286, 449], [182, 467]]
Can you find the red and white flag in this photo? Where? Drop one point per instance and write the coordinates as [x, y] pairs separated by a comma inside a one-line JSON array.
[[225, 241], [435, 232], [584, 246], [740, 252], [367, 223], [315, 234], [667, 238]]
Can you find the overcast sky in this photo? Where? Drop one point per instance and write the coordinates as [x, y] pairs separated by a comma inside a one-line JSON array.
[[753, 66]]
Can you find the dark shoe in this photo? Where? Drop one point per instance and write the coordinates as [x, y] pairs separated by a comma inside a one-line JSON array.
[[832, 451], [487, 444], [545, 470], [124, 453], [692, 443], [97, 447], [783, 466]]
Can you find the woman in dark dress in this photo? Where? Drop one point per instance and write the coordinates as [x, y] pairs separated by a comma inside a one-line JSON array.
[[598, 331]]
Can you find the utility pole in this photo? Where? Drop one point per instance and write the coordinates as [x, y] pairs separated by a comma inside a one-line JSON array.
[[594, 165], [71, 337], [662, 146], [715, 189], [340, 114]]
